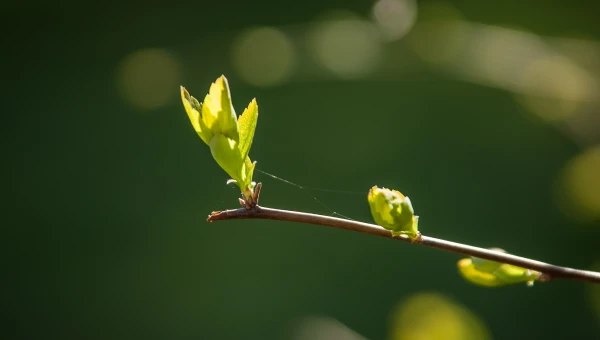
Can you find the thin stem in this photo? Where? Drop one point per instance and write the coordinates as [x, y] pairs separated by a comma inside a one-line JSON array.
[[548, 270]]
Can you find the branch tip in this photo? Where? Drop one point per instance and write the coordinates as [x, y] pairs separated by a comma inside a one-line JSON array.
[[210, 217]]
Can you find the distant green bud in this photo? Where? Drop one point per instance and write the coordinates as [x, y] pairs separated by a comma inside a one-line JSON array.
[[494, 274]]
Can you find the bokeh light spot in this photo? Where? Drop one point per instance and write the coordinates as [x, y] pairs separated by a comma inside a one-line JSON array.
[[395, 17], [554, 88], [579, 191], [323, 328], [432, 316], [496, 56], [350, 48], [149, 78], [439, 35], [263, 56]]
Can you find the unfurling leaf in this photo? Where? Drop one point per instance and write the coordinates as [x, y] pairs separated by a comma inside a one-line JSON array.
[[229, 140], [393, 211]]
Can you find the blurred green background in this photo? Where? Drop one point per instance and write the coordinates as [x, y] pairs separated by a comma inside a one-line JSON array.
[[487, 114]]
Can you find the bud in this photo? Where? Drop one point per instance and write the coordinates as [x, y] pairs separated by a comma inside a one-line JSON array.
[[393, 211], [495, 274], [228, 137]]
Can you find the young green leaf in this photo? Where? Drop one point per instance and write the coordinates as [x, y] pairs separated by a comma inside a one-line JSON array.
[[194, 111], [218, 110], [247, 125], [249, 171], [225, 151]]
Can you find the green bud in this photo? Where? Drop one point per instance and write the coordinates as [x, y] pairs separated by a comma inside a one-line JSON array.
[[393, 211], [494, 274], [229, 139]]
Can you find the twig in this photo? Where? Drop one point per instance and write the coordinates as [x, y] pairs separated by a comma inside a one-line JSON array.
[[548, 271]]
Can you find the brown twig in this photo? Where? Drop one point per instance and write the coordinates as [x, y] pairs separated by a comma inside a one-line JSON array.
[[548, 271]]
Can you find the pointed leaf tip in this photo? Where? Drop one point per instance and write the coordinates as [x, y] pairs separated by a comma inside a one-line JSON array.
[[221, 108]]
